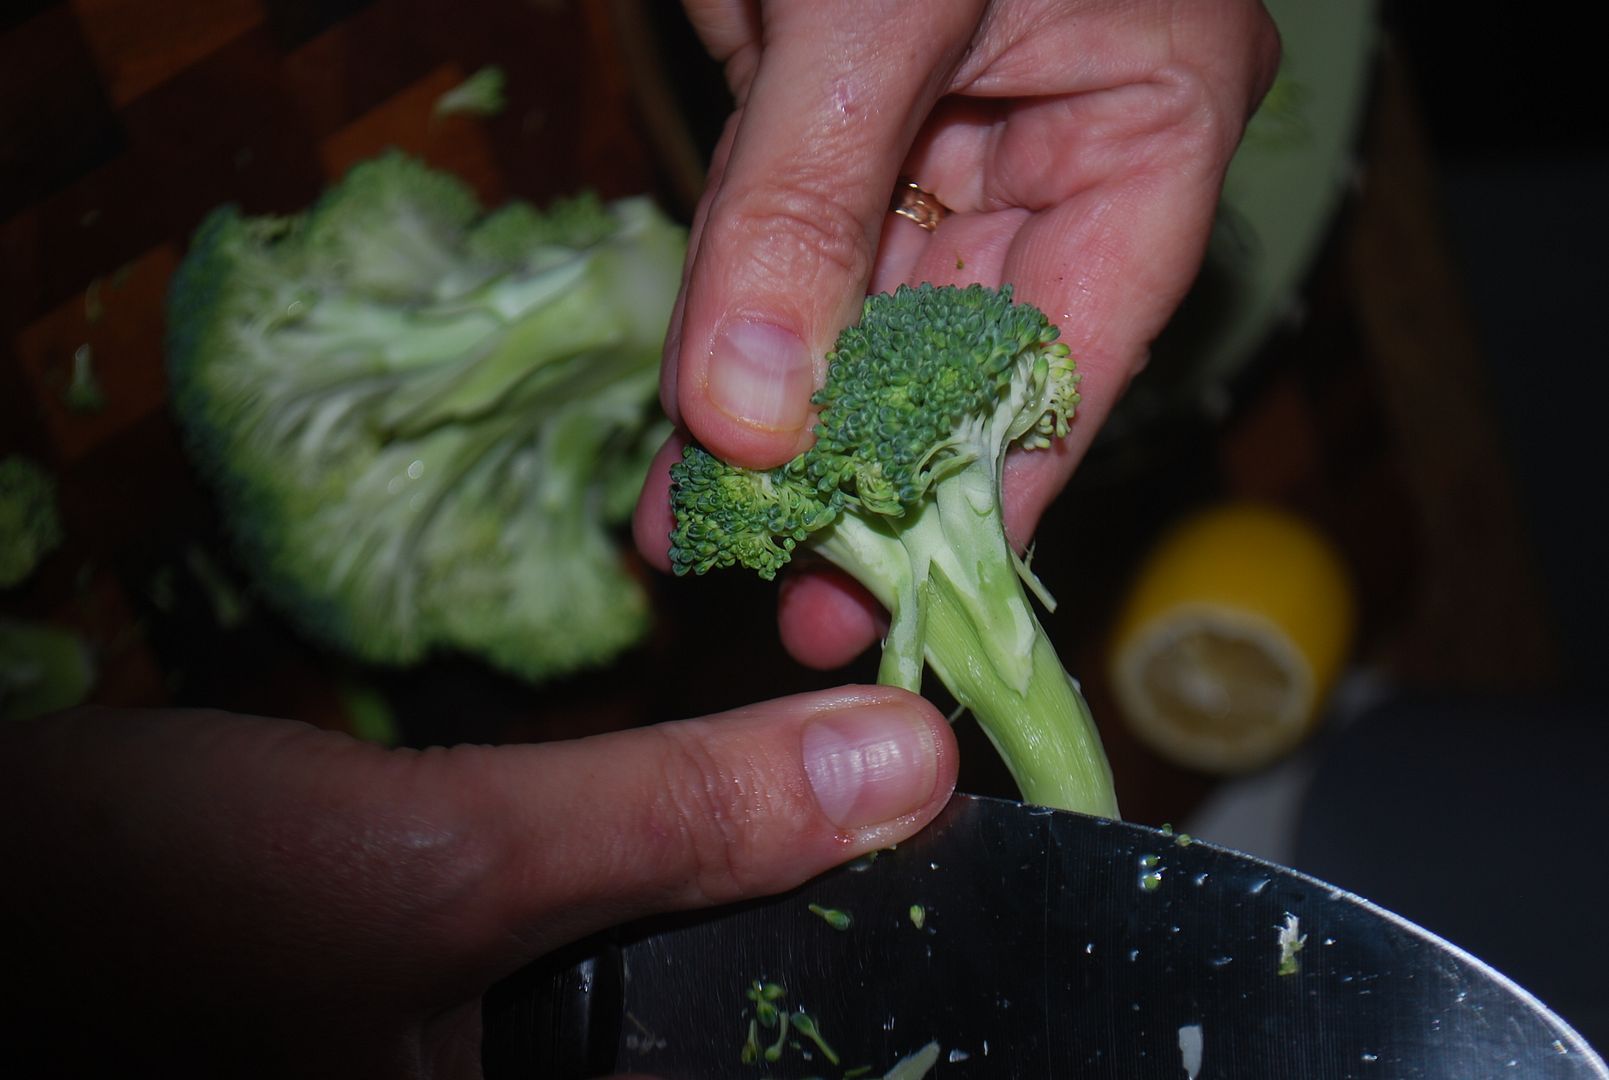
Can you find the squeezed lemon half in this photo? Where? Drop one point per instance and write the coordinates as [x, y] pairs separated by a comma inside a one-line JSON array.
[[1236, 627]]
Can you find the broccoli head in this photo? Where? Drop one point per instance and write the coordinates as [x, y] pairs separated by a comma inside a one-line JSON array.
[[30, 524], [923, 398], [422, 421]]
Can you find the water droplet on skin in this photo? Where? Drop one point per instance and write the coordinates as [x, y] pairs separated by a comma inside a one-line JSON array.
[[1201, 878], [1371, 1058], [416, 469]]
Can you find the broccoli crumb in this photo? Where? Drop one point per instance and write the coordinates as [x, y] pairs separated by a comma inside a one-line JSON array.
[[838, 920], [1291, 941], [804, 1025]]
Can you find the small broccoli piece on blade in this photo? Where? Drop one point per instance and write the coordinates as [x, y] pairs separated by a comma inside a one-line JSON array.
[[418, 417], [922, 400], [30, 522]]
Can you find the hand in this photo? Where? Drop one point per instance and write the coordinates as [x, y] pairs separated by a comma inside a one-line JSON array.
[[234, 896], [1080, 146]]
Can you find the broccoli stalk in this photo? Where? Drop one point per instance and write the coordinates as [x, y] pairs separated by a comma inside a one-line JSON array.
[[923, 398], [424, 422]]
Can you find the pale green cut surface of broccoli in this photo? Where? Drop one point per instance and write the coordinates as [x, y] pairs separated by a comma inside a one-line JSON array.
[[902, 490], [424, 423]]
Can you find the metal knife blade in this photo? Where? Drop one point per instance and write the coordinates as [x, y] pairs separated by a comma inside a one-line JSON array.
[[1028, 942]]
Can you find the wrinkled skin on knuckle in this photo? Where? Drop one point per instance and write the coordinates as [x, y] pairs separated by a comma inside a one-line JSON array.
[[796, 236], [715, 816]]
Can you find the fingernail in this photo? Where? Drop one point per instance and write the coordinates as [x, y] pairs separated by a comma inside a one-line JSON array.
[[761, 374], [869, 765]]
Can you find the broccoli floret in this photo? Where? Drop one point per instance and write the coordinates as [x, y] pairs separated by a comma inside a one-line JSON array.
[[901, 489], [30, 524], [418, 417]]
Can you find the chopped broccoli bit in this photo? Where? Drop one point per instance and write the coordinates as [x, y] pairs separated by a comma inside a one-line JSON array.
[[1291, 941], [765, 995], [804, 1025], [916, 1065], [918, 915], [425, 424], [751, 1047], [838, 920], [923, 398], [479, 95], [774, 1051], [30, 523]]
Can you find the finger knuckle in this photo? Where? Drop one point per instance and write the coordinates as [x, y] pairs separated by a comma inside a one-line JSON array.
[[799, 231], [709, 809]]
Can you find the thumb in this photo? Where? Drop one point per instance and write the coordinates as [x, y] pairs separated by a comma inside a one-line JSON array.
[[785, 239], [586, 834]]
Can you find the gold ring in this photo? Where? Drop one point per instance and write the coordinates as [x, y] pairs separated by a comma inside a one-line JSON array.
[[920, 206]]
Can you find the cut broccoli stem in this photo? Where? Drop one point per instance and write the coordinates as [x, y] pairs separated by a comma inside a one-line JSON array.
[[1060, 763], [972, 621]]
